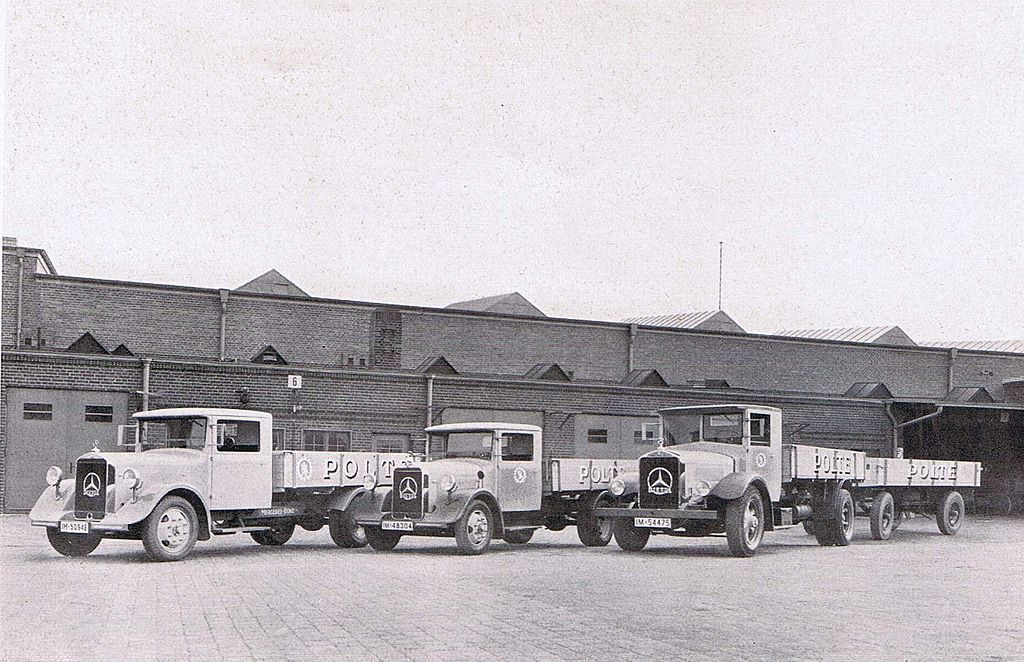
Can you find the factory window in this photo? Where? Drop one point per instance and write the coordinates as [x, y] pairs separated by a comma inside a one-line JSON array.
[[99, 414], [390, 443], [279, 436], [326, 440], [37, 411], [597, 436], [647, 434]]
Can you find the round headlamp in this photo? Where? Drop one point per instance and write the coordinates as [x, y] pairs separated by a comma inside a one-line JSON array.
[[132, 480], [448, 482], [702, 488], [617, 487], [369, 481], [53, 476]]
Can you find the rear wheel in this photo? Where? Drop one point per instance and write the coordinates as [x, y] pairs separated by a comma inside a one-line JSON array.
[[382, 541], [594, 531], [275, 536], [474, 529], [949, 514], [744, 523], [345, 532], [519, 537], [72, 544], [809, 527], [628, 536], [883, 515], [171, 530], [835, 526]]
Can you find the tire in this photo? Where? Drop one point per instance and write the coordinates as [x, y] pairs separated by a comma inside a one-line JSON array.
[[556, 523], [594, 531], [519, 537], [474, 529], [628, 536], [949, 512], [382, 541], [809, 527], [744, 523], [313, 524], [345, 532], [171, 530], [699, 528], [883, 515], [275, 536], [72, 544], [834, 527]]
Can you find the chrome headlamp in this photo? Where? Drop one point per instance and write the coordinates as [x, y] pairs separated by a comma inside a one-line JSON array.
[[132, 480], [369, 481], [54, 476], [448, 482], [617, 487]]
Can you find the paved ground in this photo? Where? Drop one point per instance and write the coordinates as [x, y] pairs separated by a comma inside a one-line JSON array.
[[922, 596]]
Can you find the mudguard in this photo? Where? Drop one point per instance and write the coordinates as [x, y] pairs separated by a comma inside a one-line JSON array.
[[343, 497], [734, 485], [490, 499]]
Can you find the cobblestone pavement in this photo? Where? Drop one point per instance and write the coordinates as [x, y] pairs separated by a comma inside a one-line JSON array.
[[921, 596]]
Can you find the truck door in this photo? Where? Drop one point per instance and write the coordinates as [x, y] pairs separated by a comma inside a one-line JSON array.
[[519, 476], [763, 437], [240, 457]]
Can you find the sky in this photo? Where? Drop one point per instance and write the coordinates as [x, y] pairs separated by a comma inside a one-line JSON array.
[[863, 164]]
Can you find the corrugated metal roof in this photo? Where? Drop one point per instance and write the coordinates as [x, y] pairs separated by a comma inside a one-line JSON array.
[[704, 320], [512, 303], [864, 334], [1016, 346]]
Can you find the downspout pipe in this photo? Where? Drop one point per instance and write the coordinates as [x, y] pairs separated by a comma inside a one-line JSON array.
[[223, 323], [897, 427], [632, 344], [145, 384], [21, 280], [430, 400], [949, 376]]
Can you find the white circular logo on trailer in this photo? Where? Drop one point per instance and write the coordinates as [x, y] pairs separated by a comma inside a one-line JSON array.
[[659, 481], [760, 460], [305, 469], [519, 475], [91, 485]]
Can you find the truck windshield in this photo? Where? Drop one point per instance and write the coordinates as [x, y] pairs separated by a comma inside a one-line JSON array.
[[461, 444], [686, 428], [188, 432]]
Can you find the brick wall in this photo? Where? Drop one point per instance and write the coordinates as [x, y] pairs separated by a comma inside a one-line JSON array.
[[512, 346]]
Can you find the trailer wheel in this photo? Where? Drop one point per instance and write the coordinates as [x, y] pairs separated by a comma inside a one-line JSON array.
[[883, 515], [171, 530], [949, 514], [809, 527], [630, 537], [474, 529], [594, 531], [72, 544], [382, 541], [518, 537], [275, 536], [345, 532], [836, 529], [744, 523]]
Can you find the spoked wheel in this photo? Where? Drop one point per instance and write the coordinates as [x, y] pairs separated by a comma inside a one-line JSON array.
[[171, 530], [72, 544], [744, 523], [883, 516], [474, 529], [949, 514]]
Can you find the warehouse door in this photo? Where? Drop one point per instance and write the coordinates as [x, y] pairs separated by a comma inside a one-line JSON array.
[[52, 427]]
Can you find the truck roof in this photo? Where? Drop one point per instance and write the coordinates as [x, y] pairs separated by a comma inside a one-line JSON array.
[[482, 427], [209, 412], [718, 409]]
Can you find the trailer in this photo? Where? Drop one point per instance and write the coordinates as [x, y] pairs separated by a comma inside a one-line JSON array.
[[186, 474], [481, 481], [724, 469]]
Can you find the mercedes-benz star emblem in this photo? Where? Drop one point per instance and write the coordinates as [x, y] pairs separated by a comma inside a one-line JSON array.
[[659, 481], [407, 489], [91, 485]]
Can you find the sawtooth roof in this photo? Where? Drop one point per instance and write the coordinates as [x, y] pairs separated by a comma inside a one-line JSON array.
[[512, 303], [704, 320], [1015, 346], [272, 282], [882, 335]]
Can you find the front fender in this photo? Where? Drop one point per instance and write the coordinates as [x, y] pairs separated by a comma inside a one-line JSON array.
[[734, 485], [344, 497]]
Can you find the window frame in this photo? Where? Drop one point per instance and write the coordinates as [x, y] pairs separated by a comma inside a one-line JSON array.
[[43, 414], [593, 438], [326, 445]]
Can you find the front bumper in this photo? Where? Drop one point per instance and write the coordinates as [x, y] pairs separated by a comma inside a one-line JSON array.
[[672, 513], [50, 510]]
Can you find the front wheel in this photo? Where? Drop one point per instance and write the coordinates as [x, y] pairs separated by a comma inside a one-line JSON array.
[[345, 532], [744, 523], [382, 541], [630, 537], [474, 529], [275, 536], [949, 514], [171, 530], [72, 544]]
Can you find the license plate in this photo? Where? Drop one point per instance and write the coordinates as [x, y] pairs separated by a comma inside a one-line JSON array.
[[74, 527], [389, 525], [653, 522]]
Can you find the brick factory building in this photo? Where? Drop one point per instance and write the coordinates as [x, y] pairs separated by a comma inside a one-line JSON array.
[[80, 355]]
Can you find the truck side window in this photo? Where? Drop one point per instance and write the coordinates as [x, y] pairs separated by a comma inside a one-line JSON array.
[[517, 447], [238, 437], [760, 430]]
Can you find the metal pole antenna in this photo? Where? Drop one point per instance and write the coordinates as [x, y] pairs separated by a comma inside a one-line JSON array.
[[720, 275]]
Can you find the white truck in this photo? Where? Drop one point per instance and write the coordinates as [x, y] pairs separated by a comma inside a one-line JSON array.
[[188, 473], [724, 469], [485, 480]]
